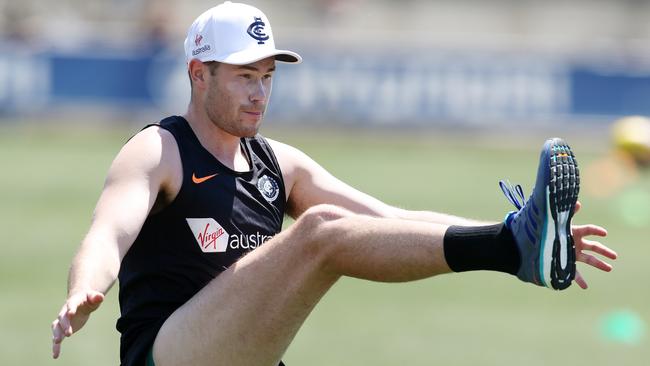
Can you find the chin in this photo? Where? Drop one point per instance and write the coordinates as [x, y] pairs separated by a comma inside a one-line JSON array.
[[251, 130], [248, 132], [242, 128]]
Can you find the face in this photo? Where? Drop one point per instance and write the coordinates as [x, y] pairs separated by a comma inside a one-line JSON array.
[[237, 96]]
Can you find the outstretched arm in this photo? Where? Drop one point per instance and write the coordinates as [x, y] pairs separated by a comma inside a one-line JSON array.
[[308, 184], [139, 175]]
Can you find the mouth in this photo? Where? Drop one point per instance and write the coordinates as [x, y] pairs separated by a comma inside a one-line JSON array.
[[255, 114]]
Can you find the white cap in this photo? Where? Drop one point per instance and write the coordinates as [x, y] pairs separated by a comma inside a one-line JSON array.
[[233, 33]]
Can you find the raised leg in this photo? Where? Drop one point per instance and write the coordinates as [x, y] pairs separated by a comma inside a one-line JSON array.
[[250, 313]]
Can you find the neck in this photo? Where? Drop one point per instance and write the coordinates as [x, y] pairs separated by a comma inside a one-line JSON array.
[[222, 145]]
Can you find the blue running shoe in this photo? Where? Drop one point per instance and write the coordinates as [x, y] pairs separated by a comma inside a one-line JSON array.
[[542, 225]]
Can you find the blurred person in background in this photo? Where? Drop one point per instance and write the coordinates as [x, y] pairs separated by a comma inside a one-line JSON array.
[[628, 157], [191, 214], [155, 20], [631, 138], [15, 18]]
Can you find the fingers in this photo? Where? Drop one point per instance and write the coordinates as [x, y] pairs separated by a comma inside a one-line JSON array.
[[62, 326], [599, 248], [594, 262], [72, 309], [582, 245], [86, 303], [63, 321], [94, 300], [586, 230], [596, 247], [581, 281], [56, 350], [57, 338]]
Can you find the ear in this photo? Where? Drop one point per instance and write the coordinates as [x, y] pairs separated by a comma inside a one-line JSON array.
[[197, 71]]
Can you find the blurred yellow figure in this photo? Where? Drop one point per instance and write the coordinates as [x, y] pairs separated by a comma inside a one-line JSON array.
[[631, 136]]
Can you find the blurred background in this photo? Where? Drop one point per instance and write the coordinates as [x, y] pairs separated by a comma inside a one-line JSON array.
[[366, 62], [424, 104]]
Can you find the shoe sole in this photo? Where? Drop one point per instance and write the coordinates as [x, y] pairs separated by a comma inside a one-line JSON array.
[[558, 265]]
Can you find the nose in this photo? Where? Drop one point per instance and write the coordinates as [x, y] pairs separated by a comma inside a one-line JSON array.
[[259, 92]]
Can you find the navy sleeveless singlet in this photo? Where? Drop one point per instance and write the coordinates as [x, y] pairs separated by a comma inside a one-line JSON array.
[[218, 216]]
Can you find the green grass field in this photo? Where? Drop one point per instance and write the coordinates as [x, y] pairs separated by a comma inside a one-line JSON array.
[[51, 179]]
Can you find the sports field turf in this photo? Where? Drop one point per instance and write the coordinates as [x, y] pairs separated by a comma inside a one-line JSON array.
[[51, 179]]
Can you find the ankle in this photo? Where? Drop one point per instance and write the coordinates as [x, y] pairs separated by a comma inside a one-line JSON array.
[[475, 248]]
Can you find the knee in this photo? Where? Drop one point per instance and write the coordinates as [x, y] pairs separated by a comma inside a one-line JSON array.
[[323, 213], [313, 228], [316, 218]]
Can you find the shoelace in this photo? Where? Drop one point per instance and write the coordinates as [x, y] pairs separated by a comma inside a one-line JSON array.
[[514, 194]]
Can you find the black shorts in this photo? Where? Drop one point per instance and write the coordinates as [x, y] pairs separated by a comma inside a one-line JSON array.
[[136, 344]]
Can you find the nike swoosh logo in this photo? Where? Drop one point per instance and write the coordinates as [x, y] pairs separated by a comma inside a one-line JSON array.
[[200, 180]]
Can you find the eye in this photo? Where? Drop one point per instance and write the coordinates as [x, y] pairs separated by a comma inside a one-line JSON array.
[[246, 76], [268, 76]]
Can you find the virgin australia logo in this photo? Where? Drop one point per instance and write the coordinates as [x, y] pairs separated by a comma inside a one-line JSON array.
[[211, 237], [197, 42], [256, 30]]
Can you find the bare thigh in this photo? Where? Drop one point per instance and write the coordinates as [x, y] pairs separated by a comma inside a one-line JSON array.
[[250, 313]]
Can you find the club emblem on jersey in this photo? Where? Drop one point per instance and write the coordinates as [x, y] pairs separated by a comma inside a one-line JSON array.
[[211, 237], [268, 187], [256, 30]]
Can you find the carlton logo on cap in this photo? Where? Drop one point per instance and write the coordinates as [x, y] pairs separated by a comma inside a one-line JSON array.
[[233, 33], [256, 30]]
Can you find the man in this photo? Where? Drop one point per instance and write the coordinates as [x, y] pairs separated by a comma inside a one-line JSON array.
[[186, 202]]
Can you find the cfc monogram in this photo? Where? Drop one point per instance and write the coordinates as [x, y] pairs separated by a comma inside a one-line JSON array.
[[256, 30]]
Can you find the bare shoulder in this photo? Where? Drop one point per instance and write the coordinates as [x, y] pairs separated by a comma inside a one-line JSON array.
[[293, 162], [288, 155], [149, 149], [151, 154]]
